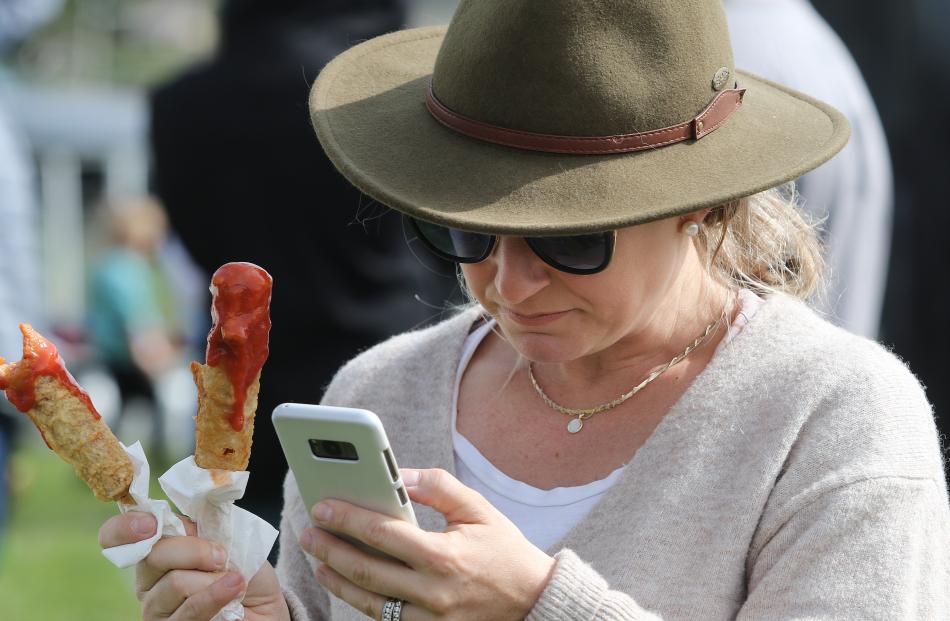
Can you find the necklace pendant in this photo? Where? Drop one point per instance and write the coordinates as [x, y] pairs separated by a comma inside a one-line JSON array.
[[575, 425]]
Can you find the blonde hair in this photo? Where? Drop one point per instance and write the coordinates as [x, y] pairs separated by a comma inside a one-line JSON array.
[[765, 243]]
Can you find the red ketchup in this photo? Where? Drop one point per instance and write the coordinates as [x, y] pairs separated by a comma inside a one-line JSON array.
[[39, 358], [240, 310]]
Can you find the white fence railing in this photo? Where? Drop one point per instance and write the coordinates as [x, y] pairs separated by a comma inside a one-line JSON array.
[[72, 132]]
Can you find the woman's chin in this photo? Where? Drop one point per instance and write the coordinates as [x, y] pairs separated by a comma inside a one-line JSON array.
[[543, 348]]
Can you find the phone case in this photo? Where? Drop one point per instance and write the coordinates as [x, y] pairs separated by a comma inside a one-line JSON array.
[[371, 480]]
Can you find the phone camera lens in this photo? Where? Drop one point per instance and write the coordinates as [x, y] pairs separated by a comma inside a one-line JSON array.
[[332, 449]]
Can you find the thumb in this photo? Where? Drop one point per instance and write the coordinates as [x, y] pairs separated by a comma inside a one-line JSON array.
[[436, 488]]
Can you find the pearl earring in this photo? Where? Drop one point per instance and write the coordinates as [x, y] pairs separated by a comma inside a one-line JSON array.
[[691, 229]]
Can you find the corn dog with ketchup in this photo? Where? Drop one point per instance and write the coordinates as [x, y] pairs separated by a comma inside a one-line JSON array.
[[41, 387], [229, 382]]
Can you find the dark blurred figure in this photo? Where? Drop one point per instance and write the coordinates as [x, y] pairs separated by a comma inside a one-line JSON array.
[[903, 49], [243, 178]]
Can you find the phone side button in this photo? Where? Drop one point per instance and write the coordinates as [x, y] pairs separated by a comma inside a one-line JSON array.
[[391, 464], [401, 493]]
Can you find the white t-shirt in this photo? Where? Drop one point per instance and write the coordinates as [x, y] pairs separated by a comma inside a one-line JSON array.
[[544, 516]]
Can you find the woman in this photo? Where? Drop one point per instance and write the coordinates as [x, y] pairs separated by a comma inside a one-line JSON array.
[[760, 462]]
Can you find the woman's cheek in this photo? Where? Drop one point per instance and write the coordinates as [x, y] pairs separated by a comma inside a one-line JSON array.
[[477, 280]]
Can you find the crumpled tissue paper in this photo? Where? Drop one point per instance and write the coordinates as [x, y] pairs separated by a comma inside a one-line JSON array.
[[207, 497], [168, 523]]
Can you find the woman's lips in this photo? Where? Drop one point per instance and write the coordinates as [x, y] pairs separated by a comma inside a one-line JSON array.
[[538, 319]]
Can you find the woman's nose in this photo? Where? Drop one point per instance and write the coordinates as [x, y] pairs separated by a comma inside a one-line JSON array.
[[519, 273]]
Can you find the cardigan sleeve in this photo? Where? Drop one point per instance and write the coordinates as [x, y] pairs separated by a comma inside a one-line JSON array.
[[857, 525], [874, 548], [577, 592], [306, 599]]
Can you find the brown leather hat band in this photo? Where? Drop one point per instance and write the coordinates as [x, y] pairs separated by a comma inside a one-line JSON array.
[[715, 114]]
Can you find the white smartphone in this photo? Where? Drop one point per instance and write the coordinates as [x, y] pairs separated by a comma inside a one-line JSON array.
[[342, 453]]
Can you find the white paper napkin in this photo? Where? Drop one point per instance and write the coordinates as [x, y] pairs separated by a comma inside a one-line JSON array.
[[207, 497], [168, 523]]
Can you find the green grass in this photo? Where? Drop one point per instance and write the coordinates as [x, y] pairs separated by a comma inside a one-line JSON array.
[[51, 568]]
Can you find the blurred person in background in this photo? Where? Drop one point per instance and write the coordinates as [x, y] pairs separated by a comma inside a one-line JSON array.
[[788, 41], [243, 179], [131, 320], [20, 283]]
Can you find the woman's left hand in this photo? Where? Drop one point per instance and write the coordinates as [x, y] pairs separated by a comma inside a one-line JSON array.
[[479, 567]]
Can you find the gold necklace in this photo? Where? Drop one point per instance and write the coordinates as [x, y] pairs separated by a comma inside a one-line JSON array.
[[583, 414]]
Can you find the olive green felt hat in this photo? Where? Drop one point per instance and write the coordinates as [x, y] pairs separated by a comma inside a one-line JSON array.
[[547, 117]]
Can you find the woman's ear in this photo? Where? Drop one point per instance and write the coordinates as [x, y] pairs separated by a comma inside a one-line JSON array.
[[697, 216]]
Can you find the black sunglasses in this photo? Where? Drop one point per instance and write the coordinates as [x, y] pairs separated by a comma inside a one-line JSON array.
[[574, 254]]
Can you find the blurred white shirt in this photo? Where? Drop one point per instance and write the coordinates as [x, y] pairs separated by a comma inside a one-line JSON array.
[[787, 41], [20, 292]]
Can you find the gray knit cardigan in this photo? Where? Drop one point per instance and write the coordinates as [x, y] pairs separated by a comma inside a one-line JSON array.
[[799, 477]]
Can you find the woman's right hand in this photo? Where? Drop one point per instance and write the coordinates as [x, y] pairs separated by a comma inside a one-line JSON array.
[[184, 579]]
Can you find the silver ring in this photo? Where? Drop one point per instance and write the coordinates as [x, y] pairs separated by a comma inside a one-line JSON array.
[[392, 609]]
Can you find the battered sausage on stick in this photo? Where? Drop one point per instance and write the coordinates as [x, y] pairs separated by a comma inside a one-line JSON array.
[[229, 382], [41, 387]]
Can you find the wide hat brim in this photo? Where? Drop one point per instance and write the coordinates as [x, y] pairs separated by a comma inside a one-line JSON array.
[[368, 109]]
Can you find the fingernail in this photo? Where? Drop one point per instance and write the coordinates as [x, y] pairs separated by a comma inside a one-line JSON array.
[[143, 525], [231, 581], [322, 512], [307, 540], [219, 556], [411, 477]]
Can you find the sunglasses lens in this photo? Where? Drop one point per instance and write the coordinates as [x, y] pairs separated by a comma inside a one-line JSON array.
[[580, 253], [457, 245]]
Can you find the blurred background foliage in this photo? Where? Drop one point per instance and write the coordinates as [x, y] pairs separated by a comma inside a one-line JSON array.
[[122, 42]]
